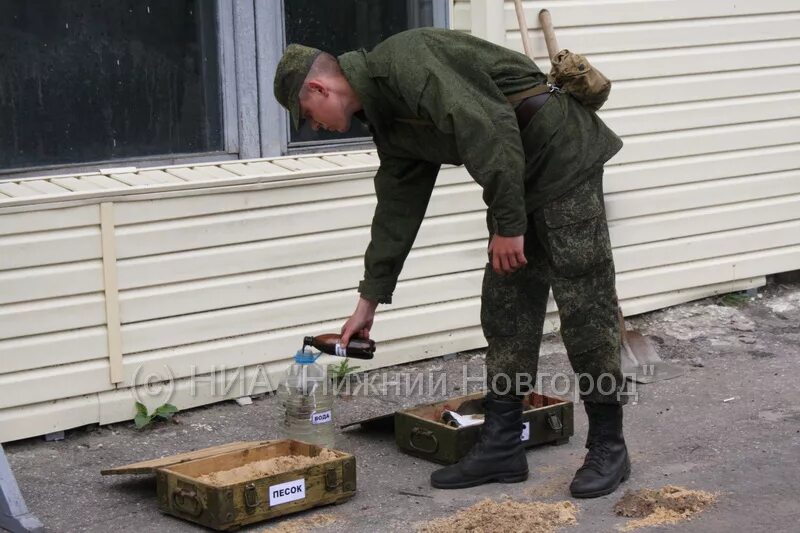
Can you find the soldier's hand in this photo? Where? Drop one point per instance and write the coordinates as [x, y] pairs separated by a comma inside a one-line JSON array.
[[507, 254], [360, 322]]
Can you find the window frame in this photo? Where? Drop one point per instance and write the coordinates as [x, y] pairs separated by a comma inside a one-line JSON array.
[[224, 14], [250, 42], [442, 13]]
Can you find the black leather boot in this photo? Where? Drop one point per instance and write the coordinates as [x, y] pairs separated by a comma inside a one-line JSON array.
[[497, 456], [607, 463]]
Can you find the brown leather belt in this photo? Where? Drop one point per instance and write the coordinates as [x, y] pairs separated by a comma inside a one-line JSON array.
[[528, 108]]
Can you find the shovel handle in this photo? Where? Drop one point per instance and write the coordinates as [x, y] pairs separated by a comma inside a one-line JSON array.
[[549, 33], [523, 28]]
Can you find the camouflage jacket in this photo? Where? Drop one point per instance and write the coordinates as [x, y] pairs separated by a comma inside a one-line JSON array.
[[432, 97]]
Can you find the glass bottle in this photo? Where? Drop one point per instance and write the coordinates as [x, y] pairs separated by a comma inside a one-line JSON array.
[[330, 343]]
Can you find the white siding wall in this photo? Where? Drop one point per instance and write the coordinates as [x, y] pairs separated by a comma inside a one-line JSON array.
[[707, 98], [231, 264], [214, 266]]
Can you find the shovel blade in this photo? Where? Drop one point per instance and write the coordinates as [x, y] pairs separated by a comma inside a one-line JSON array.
[[650, 373], [641, 363]]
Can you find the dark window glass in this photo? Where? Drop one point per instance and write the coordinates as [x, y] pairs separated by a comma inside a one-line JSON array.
[[338, 26], [93, 80]]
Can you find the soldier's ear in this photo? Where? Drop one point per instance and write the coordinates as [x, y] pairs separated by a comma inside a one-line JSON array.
[[318, 87]]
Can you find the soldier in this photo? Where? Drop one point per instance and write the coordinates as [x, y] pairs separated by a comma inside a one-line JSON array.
[[433, 96]]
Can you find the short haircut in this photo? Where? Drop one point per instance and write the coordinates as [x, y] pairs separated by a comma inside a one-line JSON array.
[[324, 66]]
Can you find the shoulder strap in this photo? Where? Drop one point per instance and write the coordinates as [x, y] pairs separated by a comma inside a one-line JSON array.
[[512, 98], [533, 91]]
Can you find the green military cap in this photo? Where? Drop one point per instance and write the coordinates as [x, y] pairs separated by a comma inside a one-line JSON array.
[[290, 75]]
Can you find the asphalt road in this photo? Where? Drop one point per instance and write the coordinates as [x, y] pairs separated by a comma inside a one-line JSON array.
[[680, 432]]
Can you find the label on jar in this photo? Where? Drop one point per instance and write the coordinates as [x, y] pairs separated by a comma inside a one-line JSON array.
[[322, 417], [341, 351], [526, 431], [287, 492]]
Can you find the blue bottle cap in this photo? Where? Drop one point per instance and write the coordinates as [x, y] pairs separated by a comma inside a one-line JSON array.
[[304, 358]]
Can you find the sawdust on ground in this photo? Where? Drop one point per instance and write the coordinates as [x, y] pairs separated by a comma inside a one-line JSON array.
[[667, 505], [301, 525], [489, 516], [265, 467]]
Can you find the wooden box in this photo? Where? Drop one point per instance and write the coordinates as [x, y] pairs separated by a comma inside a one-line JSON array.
[[230, 504], [420, 432]]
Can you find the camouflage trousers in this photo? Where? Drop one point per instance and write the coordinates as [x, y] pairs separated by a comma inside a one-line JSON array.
[[568, 248]]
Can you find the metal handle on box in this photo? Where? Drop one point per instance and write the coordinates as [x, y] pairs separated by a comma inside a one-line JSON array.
[[554, 421], [186, 501], [424, 433], [331, 479], [251, 500]]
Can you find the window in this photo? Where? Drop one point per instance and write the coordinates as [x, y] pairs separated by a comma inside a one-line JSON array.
[[84, 81], [343, 25], [90, 83]]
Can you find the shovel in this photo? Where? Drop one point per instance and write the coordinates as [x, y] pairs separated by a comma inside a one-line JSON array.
[[639, 360], [638, 357], [547, 28], [523, 28]]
